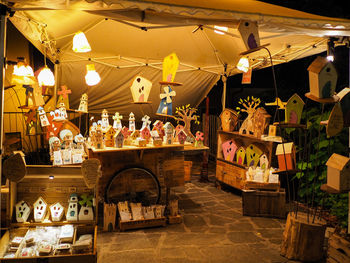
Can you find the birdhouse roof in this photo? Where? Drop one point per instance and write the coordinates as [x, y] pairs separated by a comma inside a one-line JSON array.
[[241, 148], [144, 129], [318, 64], [57, 204], [286, 148], [338, 161], [295, 97], [22, 202], [230, 111], [39, 199]]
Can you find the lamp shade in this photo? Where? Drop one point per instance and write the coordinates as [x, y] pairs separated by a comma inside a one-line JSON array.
[[46, 77], [243, 64], [92, 77], [23, 74], [221, 28], [80, 43]]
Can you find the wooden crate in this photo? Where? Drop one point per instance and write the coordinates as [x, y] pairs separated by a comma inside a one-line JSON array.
[[264, 203], [230, 174], [338, 249], [174, 219], [144, 223]]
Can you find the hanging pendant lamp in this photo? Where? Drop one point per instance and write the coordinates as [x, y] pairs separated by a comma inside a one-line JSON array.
[[80, 43], [22, 73], [92, 77], [243, 64], [46, 77]]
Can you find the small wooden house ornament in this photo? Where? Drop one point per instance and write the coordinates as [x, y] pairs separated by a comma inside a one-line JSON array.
[[134, 135], [264, 162], [63, 111], [253, 154], [145, 134], [181, 137], [169, 131], [272, 130], [240, 155], [83, 106], [140, 89], [335, 121], [166, 101], [141, 142], [98, 138], [338, 172], [229, 149], [178, 128], [286, 156], [72, 211], [66, 137], [109, 137], [118, 139], [117, 124], [86, 212], [57, 212], [44, 121], [105, 121], [198, 143], [22, 211], [249, 33], [322, 78], [159, 127], [146, 122], [132, 126], [294, 109], [40, 207], [229, 119], [262, 119], [157, 140], [109, 214]]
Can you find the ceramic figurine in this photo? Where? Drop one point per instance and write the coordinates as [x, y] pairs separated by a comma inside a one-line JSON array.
[[118, 139], [39, 209], [43, 118], [140, 89], [72, 211], [117, 124], [55, 145], [80, 144], [67, 139], [105, 121], [146, 122], [83, 106], [199, 139], [63, 111], [157, 140], [132, 126]]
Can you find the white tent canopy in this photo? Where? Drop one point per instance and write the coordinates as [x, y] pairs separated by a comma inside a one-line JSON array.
[[130, 38]]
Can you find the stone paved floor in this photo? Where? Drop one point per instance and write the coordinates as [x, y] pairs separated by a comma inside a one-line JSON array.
[[213, 230]]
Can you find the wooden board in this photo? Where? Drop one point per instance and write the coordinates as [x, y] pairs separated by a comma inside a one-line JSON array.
[[145, 223], [325, 100]]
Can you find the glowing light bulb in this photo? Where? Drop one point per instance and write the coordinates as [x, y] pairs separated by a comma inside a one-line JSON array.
[[221, 28], [92, 77], [80, 43], [46, 77], [23, 74], [243, 64]]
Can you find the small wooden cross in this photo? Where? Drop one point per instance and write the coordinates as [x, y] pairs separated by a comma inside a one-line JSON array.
[[64, 91]]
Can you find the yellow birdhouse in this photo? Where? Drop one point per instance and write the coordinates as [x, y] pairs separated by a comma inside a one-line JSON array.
[[253, 154], [240, 155], [294, 109], [170, 65]]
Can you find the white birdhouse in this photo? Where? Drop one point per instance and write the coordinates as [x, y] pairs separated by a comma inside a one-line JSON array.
[[140, 89], [57, 212], [43, 118], [22, 212], [86, 213], [40, 207], [72, 211]]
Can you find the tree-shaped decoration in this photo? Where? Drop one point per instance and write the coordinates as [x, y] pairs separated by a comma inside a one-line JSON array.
[[249, 106], [186, 114]]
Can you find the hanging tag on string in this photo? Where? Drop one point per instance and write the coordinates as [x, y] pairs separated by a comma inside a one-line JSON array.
[[247, 77]]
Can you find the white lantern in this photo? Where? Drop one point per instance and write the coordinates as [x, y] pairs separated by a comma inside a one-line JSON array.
[[92, 77]]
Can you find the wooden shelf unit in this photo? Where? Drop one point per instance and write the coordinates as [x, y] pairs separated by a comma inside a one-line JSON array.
[[234, 174]]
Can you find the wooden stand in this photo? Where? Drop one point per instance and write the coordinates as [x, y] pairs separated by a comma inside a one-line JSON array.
[[303, 240], [109, 215]]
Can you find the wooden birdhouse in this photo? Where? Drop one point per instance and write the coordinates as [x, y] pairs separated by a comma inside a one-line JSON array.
[[253, 154], [83, 106], [249, 33], [338, 172], [157, 140], [141, 142], [109, 137], [229, 119], [40, 207], [294, 109], [322, 78], [98, 138], [166, 101], [109, 214], [181, 136], [170, 65], [240, 155], [229, 149], [159, 127], [57, 212], [86, 213], [72, 211], [169, 131], [344, 97], [262, 119], [286, 156], [178, 128], [264, 162], [22, 211], [140, 89], [134, 135], [118, 139], [145, 134]]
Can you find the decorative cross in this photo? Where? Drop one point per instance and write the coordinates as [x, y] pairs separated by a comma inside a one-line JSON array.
[[199, 136], [146, 122], [168, 94], [117, 117], [64, 91]]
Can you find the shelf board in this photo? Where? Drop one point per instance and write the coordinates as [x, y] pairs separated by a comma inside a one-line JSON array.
[[236, 133], [326, 188], [290, 125], [233, 163], [170, 83], [141, 102], [60, 223], [333, 99]]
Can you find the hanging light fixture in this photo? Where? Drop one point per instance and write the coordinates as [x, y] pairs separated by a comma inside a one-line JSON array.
[[220, 30], [330, 49], [92, 77], [80, 43], [46, 77], [243, 64], [22, 73]]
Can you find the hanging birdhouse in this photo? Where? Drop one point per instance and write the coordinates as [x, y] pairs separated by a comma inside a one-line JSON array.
[[335, 122], [240, 155], [338, 172], [229, 149], [40, 207], [57, 212], [286, 156], [229, 119], [22, 212], [166, 101], [249, 33], [170, 66], [83, 106], [253, 154], [322, 78], [294, 109], [140, 89]]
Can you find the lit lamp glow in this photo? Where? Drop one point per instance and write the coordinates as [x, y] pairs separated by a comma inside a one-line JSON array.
[[221, 28], [23, 74], [243, 64], [46, 77], [330, 50], [92, 77], [80, 43]]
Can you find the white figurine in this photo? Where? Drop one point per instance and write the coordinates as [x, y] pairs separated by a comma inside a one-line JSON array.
[[132, 126], [146, 122], [117, 124], [83, 106], [72, 211], [105, 121], [39, 209], [43, 118]]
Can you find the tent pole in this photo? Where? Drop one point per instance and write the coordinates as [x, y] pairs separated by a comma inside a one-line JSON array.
[[223, 100], [3, 20]]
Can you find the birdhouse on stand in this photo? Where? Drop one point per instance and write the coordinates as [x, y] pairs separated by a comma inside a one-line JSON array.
[[40, 207], [322, 78], [109, 137], [294, 109], [22, 212], [229, 119], [72, 211], [119, 139], [286, 156], [140, 89], [338, 172], [57, 212], [240, 155], [229, 149], [169, 131], [249, 33], [253, 154], [117, 124]]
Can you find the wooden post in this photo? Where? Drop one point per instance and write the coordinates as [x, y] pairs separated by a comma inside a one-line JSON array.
[[109, 214], [204, 172]]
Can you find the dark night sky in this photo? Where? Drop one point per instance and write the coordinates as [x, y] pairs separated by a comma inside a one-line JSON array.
[[291, 77]]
